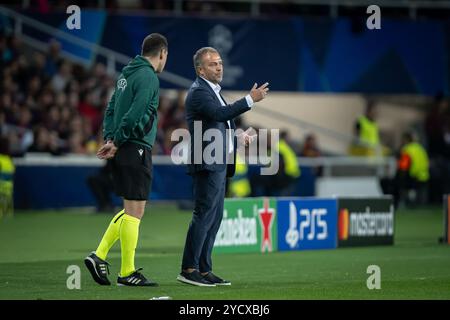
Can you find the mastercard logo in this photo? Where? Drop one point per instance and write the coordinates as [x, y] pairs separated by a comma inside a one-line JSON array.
[[343, 224]]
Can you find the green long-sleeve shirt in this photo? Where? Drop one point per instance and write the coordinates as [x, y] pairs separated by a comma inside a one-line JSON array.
[[131, 113]]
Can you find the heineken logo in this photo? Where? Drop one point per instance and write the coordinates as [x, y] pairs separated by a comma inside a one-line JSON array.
[[247, 225], [266, 217], [236, 231]]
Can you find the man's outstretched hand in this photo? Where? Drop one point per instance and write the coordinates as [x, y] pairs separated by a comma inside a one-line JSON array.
[[107, 151], [260, 93]]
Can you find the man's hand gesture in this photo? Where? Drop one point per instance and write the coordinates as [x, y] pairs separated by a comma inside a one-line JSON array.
[[260, 93], [107, 151], [245, 138]]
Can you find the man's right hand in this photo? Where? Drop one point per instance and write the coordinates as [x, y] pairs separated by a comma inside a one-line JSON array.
[[260, 93], [107, 151]]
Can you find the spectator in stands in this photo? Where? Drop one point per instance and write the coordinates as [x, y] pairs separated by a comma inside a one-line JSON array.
[[88, 109], [9, 86], [411, 181], [284, 182], [37, 68], [51, 105], [62, 77], [166, 144], [76, 145], [66, 116], [76, 123], [45, 99], [289, 170], [53, 59], [33, 88], [74, 98], [52, 119], [239, 186], [23, 132], [7, 170], [366, 128], [310, 147], [367, 142], [167, 107], [19, 136], [46, 142], [175, 115], [434, 125]]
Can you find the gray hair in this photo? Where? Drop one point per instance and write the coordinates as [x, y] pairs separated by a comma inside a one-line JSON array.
[[198, 56]]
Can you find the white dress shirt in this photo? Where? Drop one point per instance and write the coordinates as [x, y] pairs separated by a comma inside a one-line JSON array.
[[216, 88]]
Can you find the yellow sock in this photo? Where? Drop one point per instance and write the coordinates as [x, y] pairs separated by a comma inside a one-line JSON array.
[[129, 231], [111, 236]]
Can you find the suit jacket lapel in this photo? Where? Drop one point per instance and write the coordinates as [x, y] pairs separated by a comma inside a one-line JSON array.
[[202, 82]]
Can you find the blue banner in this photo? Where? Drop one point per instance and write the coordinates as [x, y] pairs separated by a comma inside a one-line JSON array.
[[170, 182], [294, 54], [62, 186], [307, 224]]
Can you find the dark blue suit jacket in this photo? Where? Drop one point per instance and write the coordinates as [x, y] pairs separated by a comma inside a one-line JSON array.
[[203, 105]]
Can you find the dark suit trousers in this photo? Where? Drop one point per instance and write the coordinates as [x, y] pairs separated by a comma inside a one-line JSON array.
[[209, 194]]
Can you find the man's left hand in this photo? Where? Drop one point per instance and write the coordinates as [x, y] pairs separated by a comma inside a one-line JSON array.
[[246, 138]]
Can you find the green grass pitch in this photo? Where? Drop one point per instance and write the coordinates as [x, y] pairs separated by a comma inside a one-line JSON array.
[[37, 247]]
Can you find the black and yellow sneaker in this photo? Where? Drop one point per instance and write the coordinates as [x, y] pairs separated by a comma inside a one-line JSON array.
[[136, 279], [98, 268]]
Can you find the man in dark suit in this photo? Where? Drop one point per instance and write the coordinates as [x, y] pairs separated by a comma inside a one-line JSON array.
[[206, 109]]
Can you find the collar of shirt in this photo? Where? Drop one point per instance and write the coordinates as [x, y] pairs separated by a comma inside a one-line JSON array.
[[215, 87]]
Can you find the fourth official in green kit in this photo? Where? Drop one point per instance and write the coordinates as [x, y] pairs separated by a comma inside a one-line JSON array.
[[129, 130]]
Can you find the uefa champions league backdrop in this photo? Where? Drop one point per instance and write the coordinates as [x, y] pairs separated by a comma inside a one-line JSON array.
[[323, 54]]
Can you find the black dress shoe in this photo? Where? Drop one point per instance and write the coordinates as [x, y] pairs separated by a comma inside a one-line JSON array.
[[211, 277], [194, 278]]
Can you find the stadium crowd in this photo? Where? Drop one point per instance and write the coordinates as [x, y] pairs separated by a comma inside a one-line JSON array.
[[51, 105]]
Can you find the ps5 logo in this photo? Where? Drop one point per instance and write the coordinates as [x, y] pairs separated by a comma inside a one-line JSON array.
[[311, 225]]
